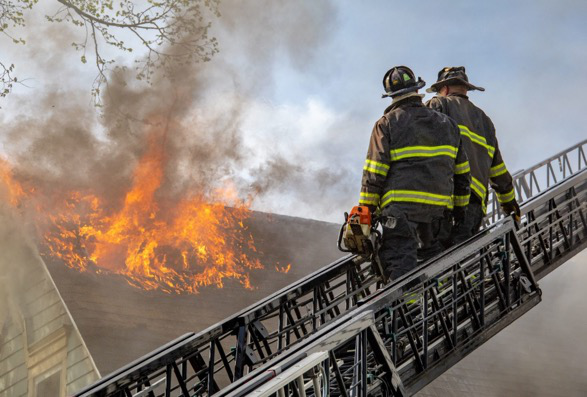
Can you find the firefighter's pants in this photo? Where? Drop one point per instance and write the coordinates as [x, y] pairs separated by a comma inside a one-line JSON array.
[[470, 225], [405, 242]]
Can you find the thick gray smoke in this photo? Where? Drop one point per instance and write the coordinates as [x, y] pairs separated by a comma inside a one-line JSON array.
[[18, 258], [194, 112]]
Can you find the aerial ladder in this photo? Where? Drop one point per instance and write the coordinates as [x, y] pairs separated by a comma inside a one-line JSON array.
[[341, 332]]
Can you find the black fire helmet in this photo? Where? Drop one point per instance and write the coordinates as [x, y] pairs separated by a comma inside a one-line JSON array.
[[400, 80]]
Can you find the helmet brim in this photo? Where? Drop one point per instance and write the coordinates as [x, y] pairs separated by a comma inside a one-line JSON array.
[[419, 84], [453, 81]]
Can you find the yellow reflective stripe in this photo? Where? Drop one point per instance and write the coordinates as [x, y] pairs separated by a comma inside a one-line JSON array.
[[478, 188], [414, 196], [497, 170], [376, 164], [462, 168], [505, 197], [376, 167], [461, 201], [423, 151], [375, 171], [471, 134], [369, 198], [476, 138]]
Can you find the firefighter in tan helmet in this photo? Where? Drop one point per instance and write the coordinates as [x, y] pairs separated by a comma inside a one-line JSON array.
[[415, 165], [480, 143]]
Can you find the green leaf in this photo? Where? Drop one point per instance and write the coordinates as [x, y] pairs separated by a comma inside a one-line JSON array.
[[84, 60]]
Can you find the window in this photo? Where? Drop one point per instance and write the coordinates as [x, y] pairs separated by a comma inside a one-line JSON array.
[[49, 386]]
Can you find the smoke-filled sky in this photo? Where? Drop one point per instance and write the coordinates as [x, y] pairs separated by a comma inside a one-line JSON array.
[[286, 107]]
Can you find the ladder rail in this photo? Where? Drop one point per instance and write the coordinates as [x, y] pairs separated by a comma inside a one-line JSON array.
[[420, 348], [550, 171]]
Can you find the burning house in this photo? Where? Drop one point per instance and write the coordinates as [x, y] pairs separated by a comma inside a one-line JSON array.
[[91, 286], [100, 284]]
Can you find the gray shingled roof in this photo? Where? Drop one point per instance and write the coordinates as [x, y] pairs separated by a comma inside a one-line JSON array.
[[121, 323]]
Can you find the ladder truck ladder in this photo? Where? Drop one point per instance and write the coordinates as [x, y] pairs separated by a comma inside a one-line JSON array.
[[369, 339]]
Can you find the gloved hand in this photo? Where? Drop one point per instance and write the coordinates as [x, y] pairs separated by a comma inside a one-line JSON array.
[[512, 208], [458, 215]]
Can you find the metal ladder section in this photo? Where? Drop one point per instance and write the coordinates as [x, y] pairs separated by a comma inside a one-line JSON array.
[[404, 337], [412, 331], [542, 176], [224, 356]]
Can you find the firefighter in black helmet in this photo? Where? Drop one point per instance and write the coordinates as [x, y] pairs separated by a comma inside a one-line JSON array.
[[480, 142], [415, 165]]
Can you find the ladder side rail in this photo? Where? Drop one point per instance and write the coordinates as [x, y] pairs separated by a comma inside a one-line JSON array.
[[580, 152], [526, 181], [555, 228], [498, 246], [352, 358], [476, 319]]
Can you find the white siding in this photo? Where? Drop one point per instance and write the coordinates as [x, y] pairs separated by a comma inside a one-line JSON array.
[[38, 337]]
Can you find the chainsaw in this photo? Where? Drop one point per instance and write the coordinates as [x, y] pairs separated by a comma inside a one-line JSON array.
[[359, 235]]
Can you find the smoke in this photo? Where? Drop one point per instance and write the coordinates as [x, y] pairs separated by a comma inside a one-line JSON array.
[[195, 111], [18, 259]]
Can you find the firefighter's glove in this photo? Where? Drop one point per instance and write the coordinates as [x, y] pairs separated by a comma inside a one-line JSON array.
[[458, 215], [512, 208]]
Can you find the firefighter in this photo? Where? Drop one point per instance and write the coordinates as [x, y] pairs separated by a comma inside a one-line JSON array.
[[415, 164], [480, 142]]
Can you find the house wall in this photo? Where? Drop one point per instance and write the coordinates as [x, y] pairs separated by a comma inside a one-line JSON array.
[[41, 351]]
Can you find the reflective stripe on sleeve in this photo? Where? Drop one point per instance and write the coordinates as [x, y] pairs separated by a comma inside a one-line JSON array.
[[423, 151], [462, 168], [498, 170], [369, 198], [476, 138], [414, 196], [505, 197], [478, 188], [461, 201], [376, 167]]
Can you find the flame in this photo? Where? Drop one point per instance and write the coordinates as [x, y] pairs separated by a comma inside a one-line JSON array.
[[193, 242], [14, 190], [167, 244], [283, 269]]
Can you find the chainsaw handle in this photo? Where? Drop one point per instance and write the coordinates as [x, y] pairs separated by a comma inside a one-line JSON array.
[[340, 234]]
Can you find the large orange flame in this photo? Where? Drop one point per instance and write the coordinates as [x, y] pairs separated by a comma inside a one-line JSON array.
[[14, 190], [178, 247]]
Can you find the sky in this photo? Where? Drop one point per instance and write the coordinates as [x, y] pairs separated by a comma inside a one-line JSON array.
[[301, 84]]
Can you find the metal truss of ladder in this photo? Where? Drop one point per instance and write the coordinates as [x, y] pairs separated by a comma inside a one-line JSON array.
[[542, 176], [233, 351], [413, 330]]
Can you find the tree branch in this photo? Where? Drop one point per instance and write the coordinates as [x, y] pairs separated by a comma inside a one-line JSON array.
[[141, 25]]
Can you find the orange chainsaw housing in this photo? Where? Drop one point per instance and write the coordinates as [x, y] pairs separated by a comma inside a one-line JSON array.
[[363, 213], [357, 231]]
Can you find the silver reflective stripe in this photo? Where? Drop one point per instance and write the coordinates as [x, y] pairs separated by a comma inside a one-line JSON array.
[[421, 151], [376, 167], [415, 197], [478, 188]]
